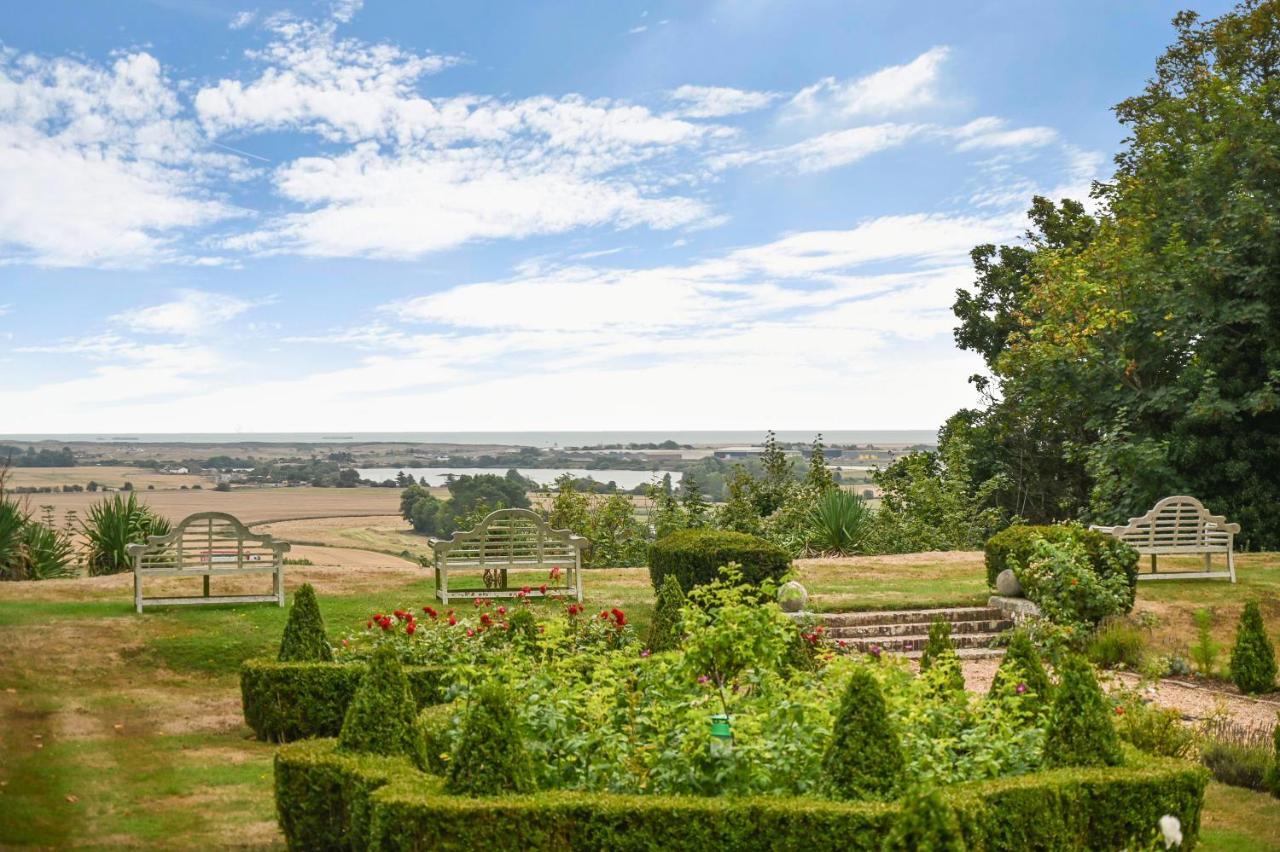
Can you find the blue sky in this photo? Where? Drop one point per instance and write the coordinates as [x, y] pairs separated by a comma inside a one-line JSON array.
[[394, 216]]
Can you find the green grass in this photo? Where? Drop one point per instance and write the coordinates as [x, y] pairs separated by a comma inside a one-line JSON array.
[[182, 771]]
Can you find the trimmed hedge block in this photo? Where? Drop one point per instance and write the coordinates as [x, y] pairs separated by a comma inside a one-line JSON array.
[[1014, 545], [291, 701], [695, 557], [333, 801]]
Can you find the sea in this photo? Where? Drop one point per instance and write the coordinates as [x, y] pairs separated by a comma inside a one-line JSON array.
[[543, 440]]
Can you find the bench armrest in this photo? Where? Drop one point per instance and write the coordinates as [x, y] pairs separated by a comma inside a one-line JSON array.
[[1102, 529]]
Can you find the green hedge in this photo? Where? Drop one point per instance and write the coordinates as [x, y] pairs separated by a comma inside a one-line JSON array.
[[293, 700], [694, 557], [328, 800], [1015, 545]]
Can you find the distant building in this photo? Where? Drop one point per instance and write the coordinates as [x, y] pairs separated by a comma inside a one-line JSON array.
[[739, 452], [179, 471]]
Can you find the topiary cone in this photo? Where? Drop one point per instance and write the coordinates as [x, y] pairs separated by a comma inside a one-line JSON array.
[[490, 758], [304, 639], [1021, 664], [1253, 659], [664, 630], [925, 822], [1080, 730], [864, 758], [939, 642], [382, 714]]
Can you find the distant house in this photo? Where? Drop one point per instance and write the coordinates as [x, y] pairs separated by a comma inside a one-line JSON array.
[[739, 452], [178, 471]]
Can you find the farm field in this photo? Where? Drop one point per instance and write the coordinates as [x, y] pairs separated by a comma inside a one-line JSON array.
[[112, 477], [118, 729], [251, 505]]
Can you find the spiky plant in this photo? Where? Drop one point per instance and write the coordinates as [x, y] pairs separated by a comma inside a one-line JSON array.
[[839, 523], [112, 525]]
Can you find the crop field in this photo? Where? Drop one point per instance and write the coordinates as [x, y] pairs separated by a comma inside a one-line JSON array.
[[111, 477]]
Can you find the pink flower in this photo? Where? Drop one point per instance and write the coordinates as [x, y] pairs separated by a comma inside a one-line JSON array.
[[703, 679], [554, 573], [1021, 689], [470, 632], [874, 651], [644, 653], [479, 602]]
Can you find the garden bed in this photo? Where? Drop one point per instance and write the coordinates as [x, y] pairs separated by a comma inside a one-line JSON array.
[[329, 799]]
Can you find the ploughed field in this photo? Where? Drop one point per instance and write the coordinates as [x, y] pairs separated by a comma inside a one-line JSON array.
[[118, 729]]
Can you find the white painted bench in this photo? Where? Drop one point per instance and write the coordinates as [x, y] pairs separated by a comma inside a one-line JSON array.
[[509, 541], [1180, 526], [207, 545]]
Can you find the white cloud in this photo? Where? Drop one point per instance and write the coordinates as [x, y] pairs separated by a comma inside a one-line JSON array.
[[193, 313], [990, 132], [896, 88], [345, 10], [240, 20], [825, 151], [97, 167], [425, 174], [716, 101]]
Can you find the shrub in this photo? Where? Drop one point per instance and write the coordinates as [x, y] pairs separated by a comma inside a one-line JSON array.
[[29, 549], [1064, 809], [435, 727], [1273, 775], [1022, 664], [1153, 729], [664, 630], [382, 715], [1059, 579], [1118, 644], [291, 701], [1080, 730], [490, 758], [1237, 755], [939, 642], [522, 627], [1014, 546], [925, 821], [694, 557], [864, 758], [304, 637], [1253, 659], [1205, 650], [839, 523], [112, 525]]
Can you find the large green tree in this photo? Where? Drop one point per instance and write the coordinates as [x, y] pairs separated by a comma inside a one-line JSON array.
[[1138, 354]]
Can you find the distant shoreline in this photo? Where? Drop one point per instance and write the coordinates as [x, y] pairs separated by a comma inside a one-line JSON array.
[[540, 439]]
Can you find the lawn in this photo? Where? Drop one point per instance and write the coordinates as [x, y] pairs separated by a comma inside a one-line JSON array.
[[118, 729]]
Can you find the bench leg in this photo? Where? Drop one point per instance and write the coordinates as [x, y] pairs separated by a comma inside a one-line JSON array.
[[1231, 563], [137, 591], [206, 585], [1153, 563], [279, 575]]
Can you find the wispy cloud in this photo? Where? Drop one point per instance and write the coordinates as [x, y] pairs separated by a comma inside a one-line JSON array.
[[717, 101], [192, 314], [896, 88]]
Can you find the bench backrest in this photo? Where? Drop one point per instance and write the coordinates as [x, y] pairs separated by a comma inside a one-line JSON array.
[[208, 540], [1178, 524], [509, 538]]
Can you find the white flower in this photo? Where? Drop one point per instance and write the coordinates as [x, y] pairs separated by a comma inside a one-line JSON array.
[[1171, 828]]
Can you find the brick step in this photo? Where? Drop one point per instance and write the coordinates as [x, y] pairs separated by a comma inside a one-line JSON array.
[[958, 628], [916, 642], [963, 653], [911, 616]]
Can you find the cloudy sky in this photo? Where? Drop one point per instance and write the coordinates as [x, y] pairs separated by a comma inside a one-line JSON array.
[[314, 216]]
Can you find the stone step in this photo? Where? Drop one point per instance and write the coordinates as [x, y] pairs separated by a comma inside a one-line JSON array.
[[964, 653], [917, 641], [911, 616], [958, 628]]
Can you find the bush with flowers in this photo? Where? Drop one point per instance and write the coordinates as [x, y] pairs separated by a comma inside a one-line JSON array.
[[624, 751]]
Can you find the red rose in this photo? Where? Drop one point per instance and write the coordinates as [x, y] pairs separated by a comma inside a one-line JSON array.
[[543, 588], [485, 619], [502, 610], [410, 628], [452, 621]]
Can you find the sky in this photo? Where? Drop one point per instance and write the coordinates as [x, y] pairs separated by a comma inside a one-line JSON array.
[[320, 215]]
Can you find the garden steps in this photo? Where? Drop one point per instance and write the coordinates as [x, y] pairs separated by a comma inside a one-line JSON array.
[[976, 632]]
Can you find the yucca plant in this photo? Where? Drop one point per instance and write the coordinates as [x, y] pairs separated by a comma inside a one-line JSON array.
[[13, 520], [49, 553], [111, 526], [839, 523]]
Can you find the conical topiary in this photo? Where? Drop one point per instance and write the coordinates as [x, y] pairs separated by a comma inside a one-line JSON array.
[[939, 642], [1080, 731], [926, 822], [664, 630], [304, 640], [864, 758], [1022, 665], [489, 758], [1253, 659], [946, 674], [382, 715]]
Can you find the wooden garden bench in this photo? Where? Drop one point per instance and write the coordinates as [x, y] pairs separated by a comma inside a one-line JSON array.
[[207, 545], [506, 542], [1180, 526]]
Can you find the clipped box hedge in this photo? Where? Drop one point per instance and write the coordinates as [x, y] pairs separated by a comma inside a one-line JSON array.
[[695, 557], [1016, 544], [292, 701], [328, 800]]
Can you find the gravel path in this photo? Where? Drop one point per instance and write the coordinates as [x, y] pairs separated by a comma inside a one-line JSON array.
[[1193, 700]]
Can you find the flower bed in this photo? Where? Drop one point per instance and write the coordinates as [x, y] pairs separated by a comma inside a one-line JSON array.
[[327, 799]]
